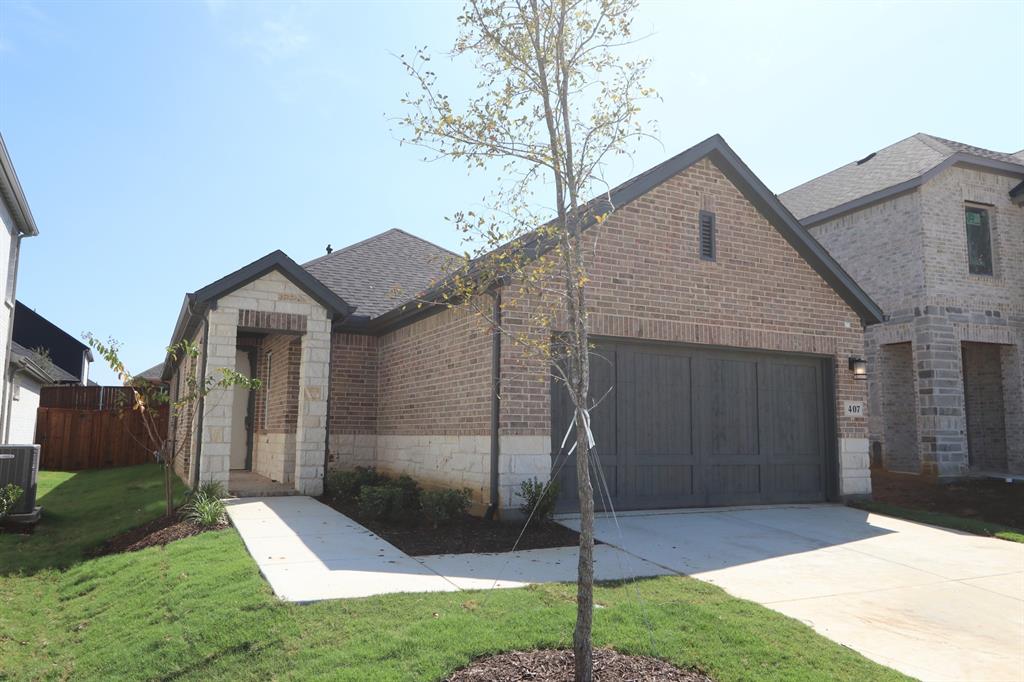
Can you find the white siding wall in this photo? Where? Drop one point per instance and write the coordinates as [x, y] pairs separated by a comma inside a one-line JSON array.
[[7, 276], [24, 404]]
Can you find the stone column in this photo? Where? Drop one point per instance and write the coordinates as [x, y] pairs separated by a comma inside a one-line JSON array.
[[215, 455], [311, 428]]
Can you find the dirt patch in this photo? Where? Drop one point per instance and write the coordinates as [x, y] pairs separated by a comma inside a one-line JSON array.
[[157, 532], [991, 500], [466, 534], [551, 666]]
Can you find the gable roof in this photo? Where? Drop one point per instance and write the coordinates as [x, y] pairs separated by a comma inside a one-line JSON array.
[[154, 373], [48, 374], [370, 273], [897, 168], [194, 307], [721, 154]]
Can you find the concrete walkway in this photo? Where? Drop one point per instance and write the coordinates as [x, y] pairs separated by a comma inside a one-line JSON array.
[[309, 552], [932, 603]]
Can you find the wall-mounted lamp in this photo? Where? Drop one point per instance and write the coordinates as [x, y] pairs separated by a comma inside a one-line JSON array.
[[859, 367]]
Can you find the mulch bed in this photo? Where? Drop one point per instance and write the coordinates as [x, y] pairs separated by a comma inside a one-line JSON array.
[[557, 665], [157, 532], [991, 500], [467, 534]]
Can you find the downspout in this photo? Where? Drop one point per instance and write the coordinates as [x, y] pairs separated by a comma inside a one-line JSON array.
[[492, 509], [202, 399]]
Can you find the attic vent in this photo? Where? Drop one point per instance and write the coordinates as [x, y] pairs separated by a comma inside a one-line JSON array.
[[707, 235], [867, 158]]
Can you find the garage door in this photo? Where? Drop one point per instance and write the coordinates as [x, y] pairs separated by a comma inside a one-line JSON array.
[[678, 426]]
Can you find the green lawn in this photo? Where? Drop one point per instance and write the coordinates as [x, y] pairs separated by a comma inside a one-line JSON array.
[[967, 525], [198, 609]]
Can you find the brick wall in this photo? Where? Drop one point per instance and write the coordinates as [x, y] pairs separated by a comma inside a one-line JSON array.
[[647, 281], [277, 401], [910, 254], [899, 448], [983, 402], [183, 422], [353, 384], [435, 376]]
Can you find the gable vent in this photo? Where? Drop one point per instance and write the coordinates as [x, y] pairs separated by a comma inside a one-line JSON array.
[[707, 235]]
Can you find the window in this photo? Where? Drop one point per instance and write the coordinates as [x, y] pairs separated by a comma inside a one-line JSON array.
[[707, 235], [979, 241]]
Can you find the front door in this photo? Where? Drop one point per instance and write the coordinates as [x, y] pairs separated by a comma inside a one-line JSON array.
[[240, 416]]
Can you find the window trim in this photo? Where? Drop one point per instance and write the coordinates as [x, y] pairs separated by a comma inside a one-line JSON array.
[[985, 210]]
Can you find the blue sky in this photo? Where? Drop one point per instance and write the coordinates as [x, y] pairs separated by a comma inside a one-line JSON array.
[[162, 145]]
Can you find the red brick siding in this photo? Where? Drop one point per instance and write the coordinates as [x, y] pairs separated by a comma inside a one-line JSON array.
[[648, 281], [353, 384], [435, 376], [281, 388]]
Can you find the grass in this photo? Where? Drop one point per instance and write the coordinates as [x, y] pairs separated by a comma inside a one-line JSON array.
[[198, 609], [967, 525], [80, 511]]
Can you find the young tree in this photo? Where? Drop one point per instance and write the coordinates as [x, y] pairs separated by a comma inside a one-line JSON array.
[[553, 103], [147, 399]]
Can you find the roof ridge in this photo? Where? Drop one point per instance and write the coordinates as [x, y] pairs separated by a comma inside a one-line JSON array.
[[371, 238], [936, 143]]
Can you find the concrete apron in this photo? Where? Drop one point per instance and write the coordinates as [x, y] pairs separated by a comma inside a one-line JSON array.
[[932, 603], [307, 551]]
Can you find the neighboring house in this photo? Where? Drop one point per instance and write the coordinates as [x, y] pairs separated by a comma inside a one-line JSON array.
[[17, 223], [153, 374], [34, 331], [728, 349], [933, 230], [29, 371]]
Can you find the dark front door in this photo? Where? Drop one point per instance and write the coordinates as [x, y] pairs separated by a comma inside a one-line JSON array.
[[680, 426]]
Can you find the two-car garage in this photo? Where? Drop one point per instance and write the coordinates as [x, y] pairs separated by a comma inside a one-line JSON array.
[[689, 426]]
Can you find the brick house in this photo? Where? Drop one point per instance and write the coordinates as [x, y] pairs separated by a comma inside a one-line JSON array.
[[727, 350], [933, 230]]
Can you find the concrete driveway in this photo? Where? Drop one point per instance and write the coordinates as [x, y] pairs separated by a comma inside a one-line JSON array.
[[932, 603]]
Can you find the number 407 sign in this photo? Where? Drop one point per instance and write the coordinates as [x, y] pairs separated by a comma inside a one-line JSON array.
[[853, 409]]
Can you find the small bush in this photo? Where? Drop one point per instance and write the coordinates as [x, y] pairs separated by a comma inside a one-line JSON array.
[[9, 496], [537, 500], [214, 489], [381, 501], [410, 492], [205, 506], [443, 506], [346, 485]]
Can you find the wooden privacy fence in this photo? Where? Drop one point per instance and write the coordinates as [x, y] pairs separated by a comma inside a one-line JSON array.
[[85, 397], [73, 438]]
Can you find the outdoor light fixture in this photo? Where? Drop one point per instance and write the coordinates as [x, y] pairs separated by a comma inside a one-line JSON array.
[[859, 367]]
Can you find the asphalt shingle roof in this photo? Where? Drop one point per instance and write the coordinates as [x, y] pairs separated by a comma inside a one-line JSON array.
[[382, 272], [20, 354], [154, 373], [905, 160]]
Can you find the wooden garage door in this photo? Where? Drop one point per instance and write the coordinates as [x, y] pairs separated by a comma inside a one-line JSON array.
[[679, 426]]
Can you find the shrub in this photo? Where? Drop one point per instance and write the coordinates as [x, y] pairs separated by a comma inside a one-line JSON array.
[[346, 485], [9, 496], [205, 506], [537, 500], [410, 492], [381, 501], [442, 506], [213, 489]]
